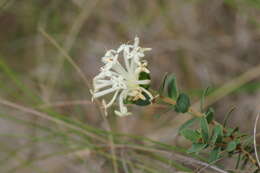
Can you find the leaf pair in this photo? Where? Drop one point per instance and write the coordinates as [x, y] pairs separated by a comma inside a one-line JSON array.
[[170, 89]]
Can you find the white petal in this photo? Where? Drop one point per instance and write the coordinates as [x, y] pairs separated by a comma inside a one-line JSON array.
[[104, 106], [126, 57], [104, 92], [121, 101], [121, 114], [120, 69], [147, 92], [122, 47], [136, 43], [143, 82], [112, 100], [146, 49], [100, 86], [123, 109]]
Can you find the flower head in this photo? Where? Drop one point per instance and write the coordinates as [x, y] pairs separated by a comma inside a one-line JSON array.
[[123, 80]]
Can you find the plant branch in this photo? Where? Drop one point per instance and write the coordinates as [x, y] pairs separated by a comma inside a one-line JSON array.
[[195, 113]]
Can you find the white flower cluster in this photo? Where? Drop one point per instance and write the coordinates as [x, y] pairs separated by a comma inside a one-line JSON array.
[[122, 81]]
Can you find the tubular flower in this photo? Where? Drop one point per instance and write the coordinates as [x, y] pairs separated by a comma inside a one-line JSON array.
[[122, 80]]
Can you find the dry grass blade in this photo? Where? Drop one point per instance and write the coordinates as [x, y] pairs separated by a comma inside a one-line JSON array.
[[86, 81], [229, 87], [205, 167], [71, 37], [177, 156], [66, 55], [66, 103], [45, 116]]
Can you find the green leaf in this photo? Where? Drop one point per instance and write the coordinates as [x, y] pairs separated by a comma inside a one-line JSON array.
[[204, 129], [191, 135], [238, 161], [229, 132], [188, 124], [231, 146], [195, 148], [183, 103], [217, 134], [202, 100], [144, 76], [210, 115], [171, 87], [162, 85], [214, 154]]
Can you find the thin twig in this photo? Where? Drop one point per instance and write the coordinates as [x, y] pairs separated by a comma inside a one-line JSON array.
[[256, 154], [249, 156], [191, 110]]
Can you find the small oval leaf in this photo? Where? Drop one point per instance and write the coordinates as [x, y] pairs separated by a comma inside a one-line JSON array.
[[231, 146], [210, 115], [204, 129], [214, 155], [191, 135], [217, 134], [183, 103], [188, 124], [171, 86], [195, 148]]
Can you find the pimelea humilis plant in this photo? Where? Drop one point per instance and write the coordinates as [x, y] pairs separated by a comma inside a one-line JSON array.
[[125, 75]]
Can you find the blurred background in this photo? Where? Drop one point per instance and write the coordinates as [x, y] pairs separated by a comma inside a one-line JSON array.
[[205, 43]]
